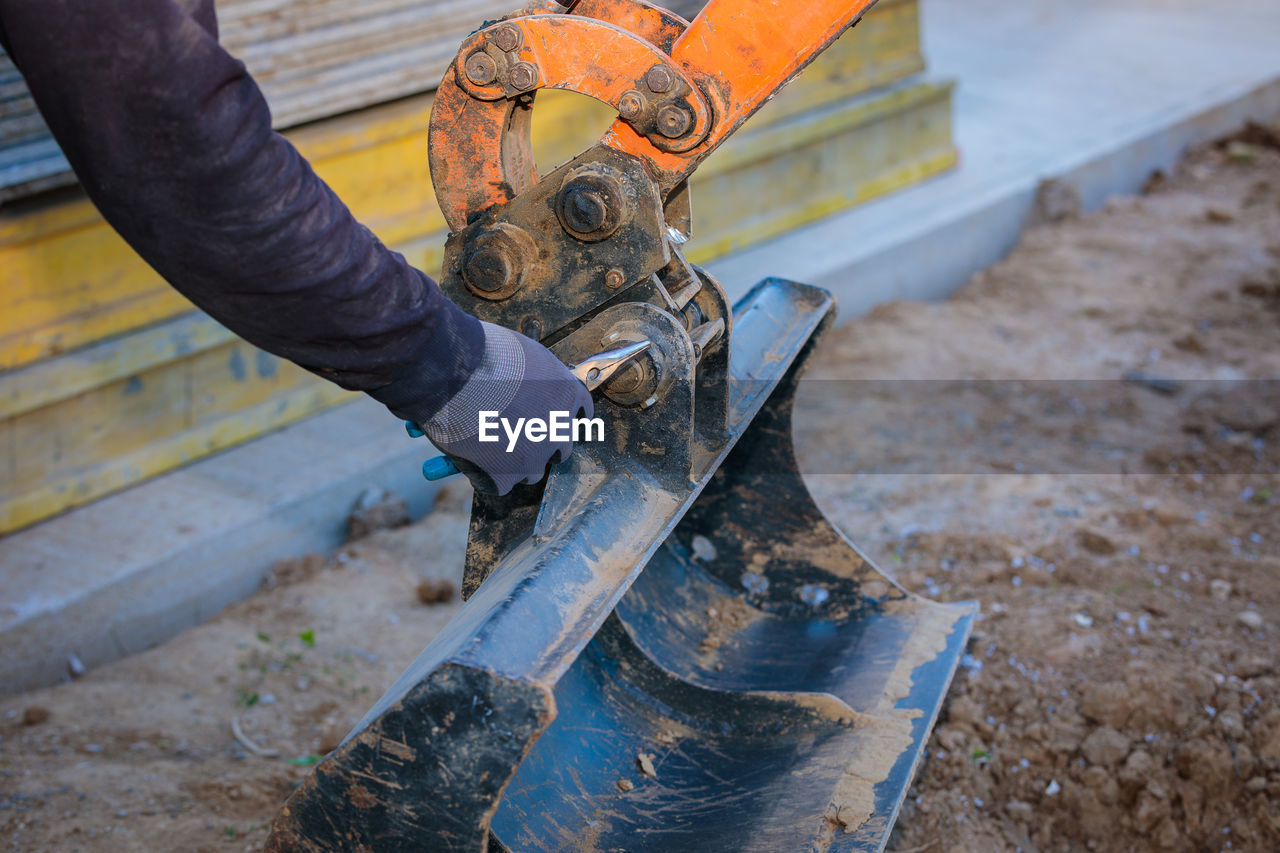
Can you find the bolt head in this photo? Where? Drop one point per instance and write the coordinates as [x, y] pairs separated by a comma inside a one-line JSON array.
[[674, 122], [631, 105], [488, 268], [585, 210], [524, 76], [481, 69], [659, 78], [591, 205], [506, 37], [614, 279]]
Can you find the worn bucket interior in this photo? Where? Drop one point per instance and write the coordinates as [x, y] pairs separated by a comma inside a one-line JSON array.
[[668, 652], [760, 687]]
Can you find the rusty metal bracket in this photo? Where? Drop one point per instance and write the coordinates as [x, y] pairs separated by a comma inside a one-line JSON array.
[[535, 265], [479, 145]]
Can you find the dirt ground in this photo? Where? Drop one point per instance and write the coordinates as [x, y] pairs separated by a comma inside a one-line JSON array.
[[1073, 441]]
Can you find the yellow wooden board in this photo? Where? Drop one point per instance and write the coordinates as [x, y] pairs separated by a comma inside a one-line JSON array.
[[66, 279], [108, 377], [85, 424], [124, 432]]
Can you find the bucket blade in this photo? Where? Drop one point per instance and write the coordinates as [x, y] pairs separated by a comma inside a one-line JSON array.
[[663, 651], [780, 686]]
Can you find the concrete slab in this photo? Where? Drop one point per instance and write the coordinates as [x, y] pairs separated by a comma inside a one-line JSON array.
[[1097, 93], [120, 575]]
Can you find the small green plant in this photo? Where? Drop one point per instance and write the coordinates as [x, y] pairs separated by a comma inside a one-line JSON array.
[[304, 760], [980, 755], [308, 637], [249, 698], [263, 638]]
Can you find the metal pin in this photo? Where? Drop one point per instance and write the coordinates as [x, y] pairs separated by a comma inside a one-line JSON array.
[[703, 335]]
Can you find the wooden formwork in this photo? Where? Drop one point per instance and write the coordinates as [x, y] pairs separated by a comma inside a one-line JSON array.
[[108, 376]]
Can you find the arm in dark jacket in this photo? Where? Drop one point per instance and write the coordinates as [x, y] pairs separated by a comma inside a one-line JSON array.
[[172, 140]]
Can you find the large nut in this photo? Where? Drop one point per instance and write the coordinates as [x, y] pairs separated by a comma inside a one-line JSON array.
[[494, 263], [659, 78], [507, 37], [524, 76], [591, 205], [631, 105], [674, 122], [481, 69], [584, 208]]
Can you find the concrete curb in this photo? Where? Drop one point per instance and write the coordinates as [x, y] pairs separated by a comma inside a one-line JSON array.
[[120, 575], [927, 241]]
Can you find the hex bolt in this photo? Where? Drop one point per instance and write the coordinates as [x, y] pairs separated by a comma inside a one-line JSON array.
[[591, 204], [531, 327], [659, 78], [584, 209], [506, 37], [481, 69], [673, 122], [488, 268], [631, 105], [493, 264], [614, 278], [524, 76]]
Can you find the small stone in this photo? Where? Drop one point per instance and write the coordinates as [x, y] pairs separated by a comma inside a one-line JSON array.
[[1095, 542], [1219, 215], [1220, 589], [436, 591], [1232, 725], [1256, 784], [1105, 747], [1107, 702], [1053, 788], [376, 509], [122, 812], [1018, 810], [625, 785], [1252, 667], [35, 715], [1250, 619], [644, 761]]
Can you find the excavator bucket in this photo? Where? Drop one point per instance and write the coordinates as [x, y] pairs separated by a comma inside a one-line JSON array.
[[665, 646], [656, 661]]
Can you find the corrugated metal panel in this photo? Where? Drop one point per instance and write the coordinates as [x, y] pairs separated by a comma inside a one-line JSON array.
[[313, 59]]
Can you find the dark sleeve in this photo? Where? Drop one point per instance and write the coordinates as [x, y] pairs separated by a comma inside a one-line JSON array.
[[172, 140]]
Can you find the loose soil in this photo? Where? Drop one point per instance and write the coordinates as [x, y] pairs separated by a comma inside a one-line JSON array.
[[1075, 440]]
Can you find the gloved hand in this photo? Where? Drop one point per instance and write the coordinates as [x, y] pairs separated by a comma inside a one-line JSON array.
[[517, 378]]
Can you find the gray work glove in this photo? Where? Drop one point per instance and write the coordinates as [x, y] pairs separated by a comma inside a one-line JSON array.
[[517, 378]]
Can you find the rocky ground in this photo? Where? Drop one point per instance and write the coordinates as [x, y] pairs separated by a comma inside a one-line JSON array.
[[1083, 440]]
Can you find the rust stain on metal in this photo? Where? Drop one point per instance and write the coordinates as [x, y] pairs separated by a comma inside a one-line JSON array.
[[884, 733]]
